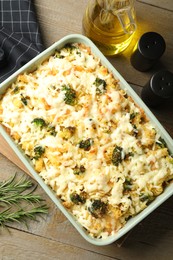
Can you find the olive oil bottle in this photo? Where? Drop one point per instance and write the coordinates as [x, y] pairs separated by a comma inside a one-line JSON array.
[[110, 24]]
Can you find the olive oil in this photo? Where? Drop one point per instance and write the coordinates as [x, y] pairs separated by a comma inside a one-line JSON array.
[[110, 24]]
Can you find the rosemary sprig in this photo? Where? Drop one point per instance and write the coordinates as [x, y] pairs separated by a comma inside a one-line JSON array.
[[12, 185], [14, 198], [24, 204], [21, 215]]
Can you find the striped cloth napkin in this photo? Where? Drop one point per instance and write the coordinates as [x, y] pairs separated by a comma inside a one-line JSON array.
[[20, 38]]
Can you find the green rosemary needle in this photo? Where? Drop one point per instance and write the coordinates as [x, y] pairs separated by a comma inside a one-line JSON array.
[[12, 185], [14, 198], [24, 204], [21, 215]]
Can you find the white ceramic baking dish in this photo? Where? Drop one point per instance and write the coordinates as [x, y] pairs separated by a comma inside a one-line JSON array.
[[30, 66]]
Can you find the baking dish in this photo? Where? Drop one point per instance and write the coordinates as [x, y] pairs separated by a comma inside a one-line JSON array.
[[124, 85]]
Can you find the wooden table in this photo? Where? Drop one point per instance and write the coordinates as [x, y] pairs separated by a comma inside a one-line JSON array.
[[53, 237]]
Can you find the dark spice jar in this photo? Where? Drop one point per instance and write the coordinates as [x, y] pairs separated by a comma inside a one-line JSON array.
[[150, 48], [158, 89]]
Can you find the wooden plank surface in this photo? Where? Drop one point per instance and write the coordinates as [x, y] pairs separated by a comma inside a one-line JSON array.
[[41, 248], [10, 154], [54, 237], [166, 4], [63, 21], [152, 237]]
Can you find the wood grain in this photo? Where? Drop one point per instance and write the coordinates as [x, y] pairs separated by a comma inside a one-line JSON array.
[[147, 21], [59, 25], [53, 237], [10, 154], [166, 4], [55, 225], [41, 248], [151, 239]]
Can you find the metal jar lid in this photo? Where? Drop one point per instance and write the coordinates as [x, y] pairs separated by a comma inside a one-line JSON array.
[[158, 89], [150, 48]]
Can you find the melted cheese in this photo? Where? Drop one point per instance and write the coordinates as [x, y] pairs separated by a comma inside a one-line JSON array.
[[100, 149]]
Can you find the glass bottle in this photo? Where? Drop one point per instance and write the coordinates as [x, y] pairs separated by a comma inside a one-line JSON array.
[[110, 24]]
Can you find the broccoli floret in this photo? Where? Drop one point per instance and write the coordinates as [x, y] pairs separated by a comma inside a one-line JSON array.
[[129, 155], [16, 90], [161, 142], [70, 47], [39, 122], [145, 198], [70, 95], [133, 115], [78, 53], [51, 130], [59, 55], [39, 151], [78, 198], [24, 100], [86, 144], [79, 170], [117, 155], [135, 130], [98, 208], [100, 85], [127, 185], [67, 132]]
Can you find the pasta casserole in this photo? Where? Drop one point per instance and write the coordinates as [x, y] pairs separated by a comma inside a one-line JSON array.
[[87, 138]]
